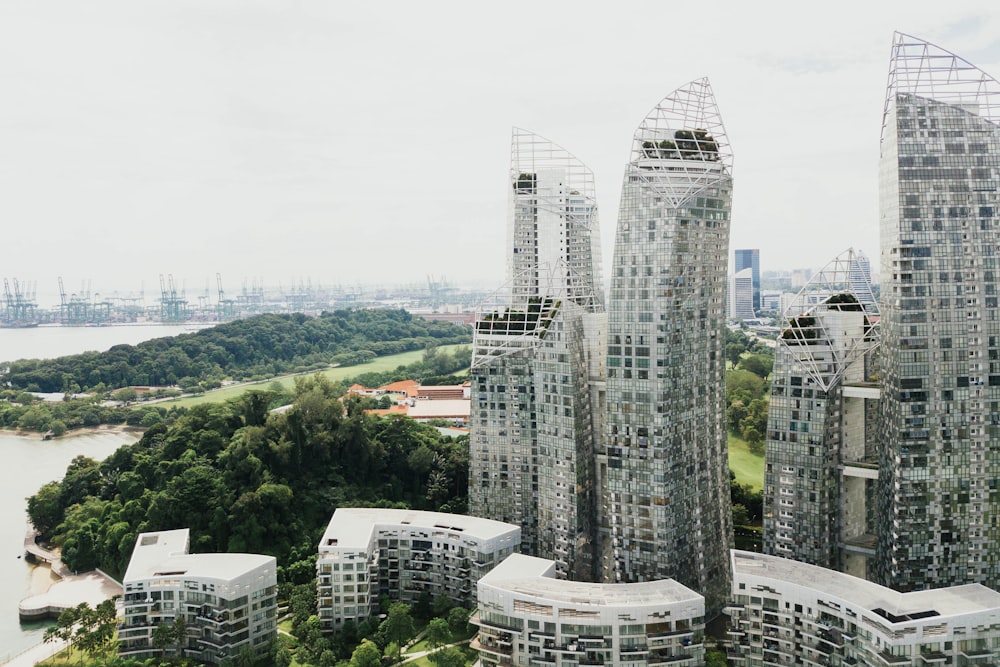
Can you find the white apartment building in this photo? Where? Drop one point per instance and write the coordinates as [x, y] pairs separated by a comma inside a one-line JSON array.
[[228, 601], [528, 617], [789, 613], [368, 552]]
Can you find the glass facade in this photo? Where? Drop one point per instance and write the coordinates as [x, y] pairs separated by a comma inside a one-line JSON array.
[[664, 460], [749, 258], [940, 406], [820, 463], [537, 362]]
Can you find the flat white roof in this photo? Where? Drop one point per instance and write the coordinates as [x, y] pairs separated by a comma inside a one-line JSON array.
[[352, 527], [969, 598], [535, 577], [164, 554], [152, 548]]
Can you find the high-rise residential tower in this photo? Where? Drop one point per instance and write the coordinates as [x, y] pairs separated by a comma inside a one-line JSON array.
[[749, 258], [820, 472], [538, 361], [664, 460], [940, 360]]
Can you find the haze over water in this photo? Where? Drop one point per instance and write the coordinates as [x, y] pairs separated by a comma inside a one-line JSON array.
[[51, 342]]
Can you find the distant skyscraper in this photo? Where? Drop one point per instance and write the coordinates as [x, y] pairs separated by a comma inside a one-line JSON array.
[[939, 475], [749, 258], [821, 458], [741, 295], [534, 410], [664, 458]]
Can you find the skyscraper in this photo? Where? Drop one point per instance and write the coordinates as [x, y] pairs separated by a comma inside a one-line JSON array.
[[741, 295], [940, 407], [536, 362], [664, 459], [749, 258], [820, 470]]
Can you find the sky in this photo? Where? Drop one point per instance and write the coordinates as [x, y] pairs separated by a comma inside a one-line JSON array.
[[343, 143]]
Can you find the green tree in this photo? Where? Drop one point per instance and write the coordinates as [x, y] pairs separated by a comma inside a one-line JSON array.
[[715, 658], [758, 364], [180, 634], [57, 426], [458, 621], [448, 657], [740, 515], [438, 632], [393, 651], [398, 626], [45, 508], [366, 655], [163, 636], [126, 395], [733, 353]]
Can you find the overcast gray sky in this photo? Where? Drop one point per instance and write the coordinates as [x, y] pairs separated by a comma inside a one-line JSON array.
[[369, 142]]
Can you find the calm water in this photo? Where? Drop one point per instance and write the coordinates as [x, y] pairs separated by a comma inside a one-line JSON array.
[[28, 463], [51, 342]]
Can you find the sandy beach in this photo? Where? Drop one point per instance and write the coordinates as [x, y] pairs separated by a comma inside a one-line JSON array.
[[42, 579]]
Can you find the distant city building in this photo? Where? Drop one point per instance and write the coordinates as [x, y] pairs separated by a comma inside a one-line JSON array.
[[538, 362], [770, 300], [527, 616], [228, 601], [789, 613], [939, 416], [366, 553], [821, 461], [741, 295], [749, 258], [664, 457]]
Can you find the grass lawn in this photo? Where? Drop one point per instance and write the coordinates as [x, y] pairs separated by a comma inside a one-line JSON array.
[[749, 467], [67, 656], [376, 365]]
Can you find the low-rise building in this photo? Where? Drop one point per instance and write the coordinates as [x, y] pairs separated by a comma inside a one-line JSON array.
[[528, 617], [227, 601], [789, 613], [366, 553]]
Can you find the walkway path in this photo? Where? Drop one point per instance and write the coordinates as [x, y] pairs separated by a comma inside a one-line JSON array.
[[35, 654]]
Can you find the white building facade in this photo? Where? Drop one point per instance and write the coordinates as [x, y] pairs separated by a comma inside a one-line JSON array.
[[366, 553], [528, 617], [789, 613], [227, 601]]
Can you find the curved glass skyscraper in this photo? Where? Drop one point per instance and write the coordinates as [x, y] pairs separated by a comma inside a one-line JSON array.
[[664, 460], [535, 361], [939, 416]]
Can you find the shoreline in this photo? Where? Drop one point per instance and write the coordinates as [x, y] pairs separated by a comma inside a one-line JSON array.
[[117, 429]]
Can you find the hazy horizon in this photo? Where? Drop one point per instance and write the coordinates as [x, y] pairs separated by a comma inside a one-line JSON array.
[[356, 144]]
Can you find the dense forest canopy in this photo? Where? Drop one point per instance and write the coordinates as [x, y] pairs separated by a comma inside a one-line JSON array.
[[257, 347], [247, 480]]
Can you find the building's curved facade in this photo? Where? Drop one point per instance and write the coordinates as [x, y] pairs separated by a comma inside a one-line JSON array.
[[789, 613], [664, 456], [536, 360], [528, 617], [939, 414], [367, 552]]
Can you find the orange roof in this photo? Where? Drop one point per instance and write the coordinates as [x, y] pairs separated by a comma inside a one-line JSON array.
[[394, 410], [400, 386], [357, 387]]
